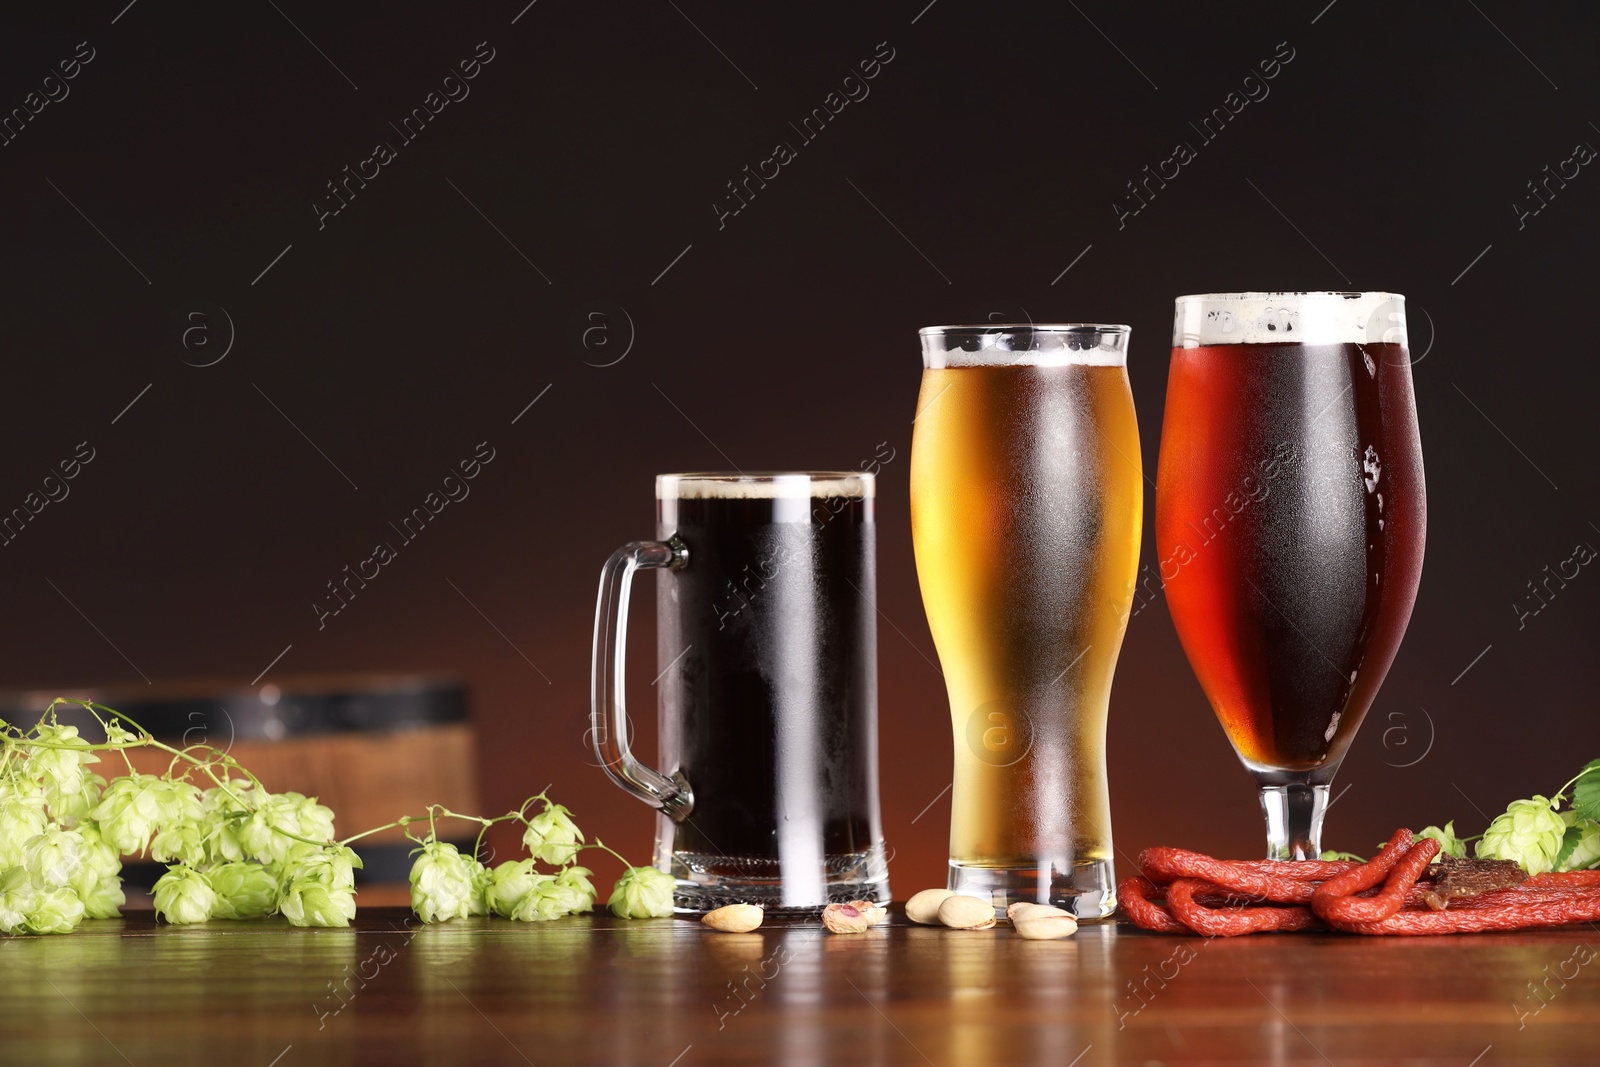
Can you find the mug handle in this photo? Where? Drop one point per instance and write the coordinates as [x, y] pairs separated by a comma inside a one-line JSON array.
[[608, 712]]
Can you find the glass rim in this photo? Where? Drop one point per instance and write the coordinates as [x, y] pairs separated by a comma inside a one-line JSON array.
[[1311, 317], [765, 485], [1031, 327], [1343, 294], [1051, 344]]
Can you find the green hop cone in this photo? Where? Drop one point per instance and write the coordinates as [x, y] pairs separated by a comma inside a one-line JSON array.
[[22, 817], [225, 812], [71, 809], [259, 833], [576, 879], [60, 769], [17, 899], [441, 883], [1449, 843], [482, 879], [509, 882], [642, 893], [101, 894], [1529, 832], [128, 812], [314, 820], [55, 911], [98, 856], [1581, 846], [550, 898], [552, 836], [311, 903], [319, 885], [53, 858], [180, 843], [244, 890], [184, 895], [334, 865], [177, 804], [97, 882]]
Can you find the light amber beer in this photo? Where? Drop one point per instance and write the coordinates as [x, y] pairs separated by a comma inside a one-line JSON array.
[[1026, 509]]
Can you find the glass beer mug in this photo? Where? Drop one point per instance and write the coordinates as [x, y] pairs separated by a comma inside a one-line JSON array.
[[767, 646]]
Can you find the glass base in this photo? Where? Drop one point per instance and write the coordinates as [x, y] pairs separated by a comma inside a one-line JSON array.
[[1294, 814], [1088, 890], [710, 880]]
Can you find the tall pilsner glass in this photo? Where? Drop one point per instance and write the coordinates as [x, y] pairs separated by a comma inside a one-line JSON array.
[[1026, 510], [1290, 518]]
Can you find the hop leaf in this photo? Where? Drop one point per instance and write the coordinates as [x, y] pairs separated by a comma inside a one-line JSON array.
[[552, 836], [1586, 792], [441, 883], [244, 890], [1580, 846], [642, 893], [1449, 843], [1529, 832], [184, 895]]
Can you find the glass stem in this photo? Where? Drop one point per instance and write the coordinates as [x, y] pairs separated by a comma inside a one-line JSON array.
[[1294, 820]]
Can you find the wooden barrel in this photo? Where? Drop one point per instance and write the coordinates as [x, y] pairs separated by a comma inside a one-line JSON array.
[[371, 747]]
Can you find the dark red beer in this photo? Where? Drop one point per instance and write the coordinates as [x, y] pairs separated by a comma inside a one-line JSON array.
[[1290, 520]]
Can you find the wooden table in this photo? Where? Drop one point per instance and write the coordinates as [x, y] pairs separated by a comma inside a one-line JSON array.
[[668, 993]]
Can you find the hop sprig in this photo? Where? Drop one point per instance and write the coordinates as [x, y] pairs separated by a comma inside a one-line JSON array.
[[234, 850]]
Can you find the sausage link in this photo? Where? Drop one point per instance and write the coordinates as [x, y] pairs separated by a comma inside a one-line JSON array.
[[1231, 922], [1581, 905], [1134, 895], [1332, 900], [1274, 881]]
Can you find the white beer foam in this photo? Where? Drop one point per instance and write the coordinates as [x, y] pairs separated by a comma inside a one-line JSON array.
[[765, 485], [1045, 345], [1318, 318]]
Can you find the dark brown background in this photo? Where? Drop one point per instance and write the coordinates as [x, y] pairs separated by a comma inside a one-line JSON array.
[[409, 329]]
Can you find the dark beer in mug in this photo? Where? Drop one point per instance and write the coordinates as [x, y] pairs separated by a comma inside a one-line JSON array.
[[766, 644]]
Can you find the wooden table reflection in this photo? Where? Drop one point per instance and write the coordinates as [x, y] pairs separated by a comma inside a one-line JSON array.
[[668, 993]]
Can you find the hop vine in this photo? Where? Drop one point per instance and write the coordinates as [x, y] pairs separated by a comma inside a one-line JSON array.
[[234, 850]]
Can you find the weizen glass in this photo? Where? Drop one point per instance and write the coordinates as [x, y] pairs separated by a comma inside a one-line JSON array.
[[766, 644], [1290, 518], [1026, 510]]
